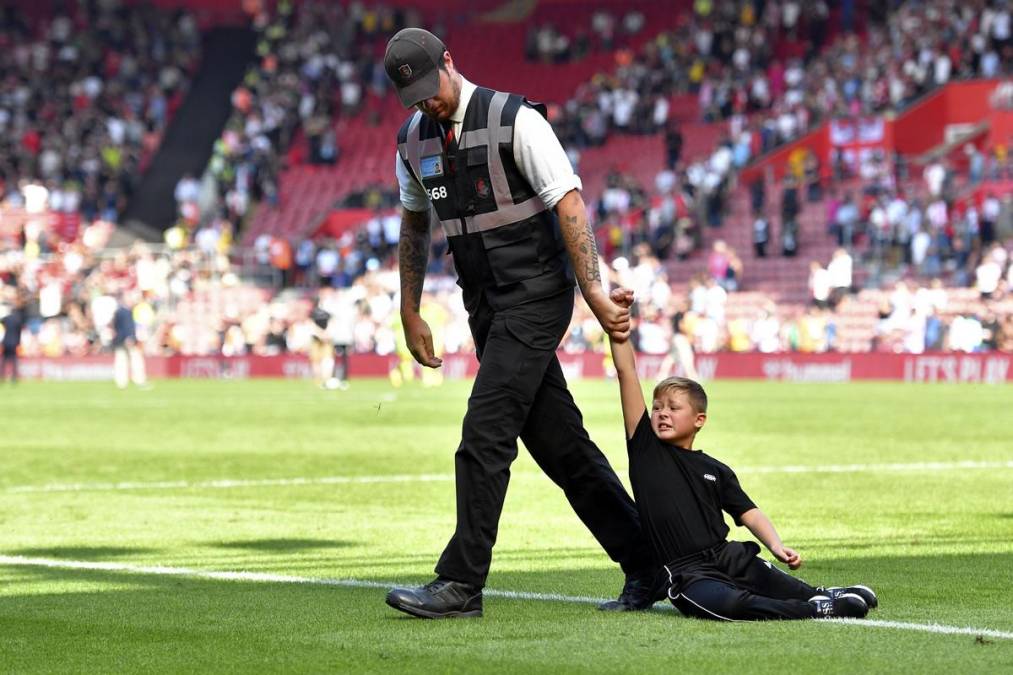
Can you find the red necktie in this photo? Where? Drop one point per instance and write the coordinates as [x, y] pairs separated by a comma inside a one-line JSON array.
[[450, 145]]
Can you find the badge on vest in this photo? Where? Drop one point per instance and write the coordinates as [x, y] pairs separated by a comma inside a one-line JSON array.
[[431, 166], [481, 187]]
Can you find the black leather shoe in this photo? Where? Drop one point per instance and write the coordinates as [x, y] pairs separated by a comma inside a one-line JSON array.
[[639, 592], [440, 598]]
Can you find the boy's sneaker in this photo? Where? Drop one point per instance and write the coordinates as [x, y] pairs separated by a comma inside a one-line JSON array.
[[845, 605], [864, 592]]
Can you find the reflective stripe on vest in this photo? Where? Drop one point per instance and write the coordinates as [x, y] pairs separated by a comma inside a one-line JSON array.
[[492, 136]]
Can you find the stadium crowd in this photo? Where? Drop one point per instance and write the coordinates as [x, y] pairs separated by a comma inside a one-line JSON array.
[[85, 97], [604, 32], [749, 62], [773, 69], [193, 302], [315, 63], [304, 79]]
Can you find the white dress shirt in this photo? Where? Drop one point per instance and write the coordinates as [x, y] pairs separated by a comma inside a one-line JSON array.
[[537, 152]]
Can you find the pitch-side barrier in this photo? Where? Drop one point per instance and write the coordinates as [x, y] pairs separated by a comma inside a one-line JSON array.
[[988, 367]]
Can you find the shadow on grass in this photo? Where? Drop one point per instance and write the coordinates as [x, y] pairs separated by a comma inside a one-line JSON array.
[[172, 623], [316, 556], [82, 552], [283, 545]]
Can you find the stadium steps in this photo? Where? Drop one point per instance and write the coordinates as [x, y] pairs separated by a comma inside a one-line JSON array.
[[308, 192], [195, 127], [952, 150]]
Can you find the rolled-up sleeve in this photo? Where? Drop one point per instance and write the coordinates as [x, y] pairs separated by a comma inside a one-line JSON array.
[[413, 196], [541, 158]]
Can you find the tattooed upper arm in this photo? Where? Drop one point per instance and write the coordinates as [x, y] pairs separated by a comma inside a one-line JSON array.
[[415, 220]]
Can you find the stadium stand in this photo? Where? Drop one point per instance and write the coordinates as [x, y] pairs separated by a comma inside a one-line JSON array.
[[86, 98], [687, 127]]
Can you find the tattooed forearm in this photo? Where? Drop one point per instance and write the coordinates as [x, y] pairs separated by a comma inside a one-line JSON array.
[[413, 255], [580, 243], [583, 251]]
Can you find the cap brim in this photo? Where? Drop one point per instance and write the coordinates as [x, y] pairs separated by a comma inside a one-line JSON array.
[[425, 87]]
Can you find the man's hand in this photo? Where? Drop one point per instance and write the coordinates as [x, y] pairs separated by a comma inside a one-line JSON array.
[[420, 340], [614, 318], [788, 556]]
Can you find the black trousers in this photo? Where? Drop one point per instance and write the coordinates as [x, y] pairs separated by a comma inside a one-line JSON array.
[[341, 362], [9, 359], [520, 391], [733, 584]]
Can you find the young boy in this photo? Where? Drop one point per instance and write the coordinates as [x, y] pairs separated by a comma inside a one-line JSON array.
[[680, 493]]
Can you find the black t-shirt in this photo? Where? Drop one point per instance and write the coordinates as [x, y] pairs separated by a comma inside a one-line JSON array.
[[680, 495]]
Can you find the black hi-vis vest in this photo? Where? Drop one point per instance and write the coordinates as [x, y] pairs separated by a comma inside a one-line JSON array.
[[505, 241]]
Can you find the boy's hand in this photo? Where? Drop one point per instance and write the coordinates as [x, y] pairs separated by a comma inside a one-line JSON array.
[[614, 318], [789, 557], [622, 297]]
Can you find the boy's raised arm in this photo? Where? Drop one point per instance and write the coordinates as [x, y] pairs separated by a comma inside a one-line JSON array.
[[757, 522], [630, 393]]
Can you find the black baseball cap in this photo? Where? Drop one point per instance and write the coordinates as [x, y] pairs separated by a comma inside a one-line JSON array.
[[412, 61]]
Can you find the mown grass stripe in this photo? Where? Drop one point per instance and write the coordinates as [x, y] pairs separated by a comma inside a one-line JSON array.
[[229, 483]]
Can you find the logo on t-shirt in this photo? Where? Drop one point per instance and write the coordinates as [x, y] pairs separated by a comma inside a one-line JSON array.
[[710, 477]]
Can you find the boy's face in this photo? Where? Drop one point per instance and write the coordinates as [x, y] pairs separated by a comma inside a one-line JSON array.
[[674, 419]]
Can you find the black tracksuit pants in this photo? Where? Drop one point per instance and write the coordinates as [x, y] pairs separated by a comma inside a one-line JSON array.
[[520, 391], [730, 583]]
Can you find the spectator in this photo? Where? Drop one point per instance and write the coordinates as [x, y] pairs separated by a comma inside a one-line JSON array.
[[789, 200], [187, 194], [281, 261], [935, 176], [13, 324], [989, 273], [789, 238], [761, 235], [128, 363], [819, 285], [766, 331], [840, 275], [718, 261], [673, 145], [990, 210]]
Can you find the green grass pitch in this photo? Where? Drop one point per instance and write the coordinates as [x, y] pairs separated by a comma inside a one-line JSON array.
[[932, 536]]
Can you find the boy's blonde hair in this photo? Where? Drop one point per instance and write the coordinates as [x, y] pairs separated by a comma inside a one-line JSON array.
[[697, 396]]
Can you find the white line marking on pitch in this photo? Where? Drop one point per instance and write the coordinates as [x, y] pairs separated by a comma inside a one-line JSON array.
[[912, 467], [225, 484], [270, 578]]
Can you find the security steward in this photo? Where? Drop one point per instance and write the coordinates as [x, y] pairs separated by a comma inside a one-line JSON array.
[[488, 167]]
